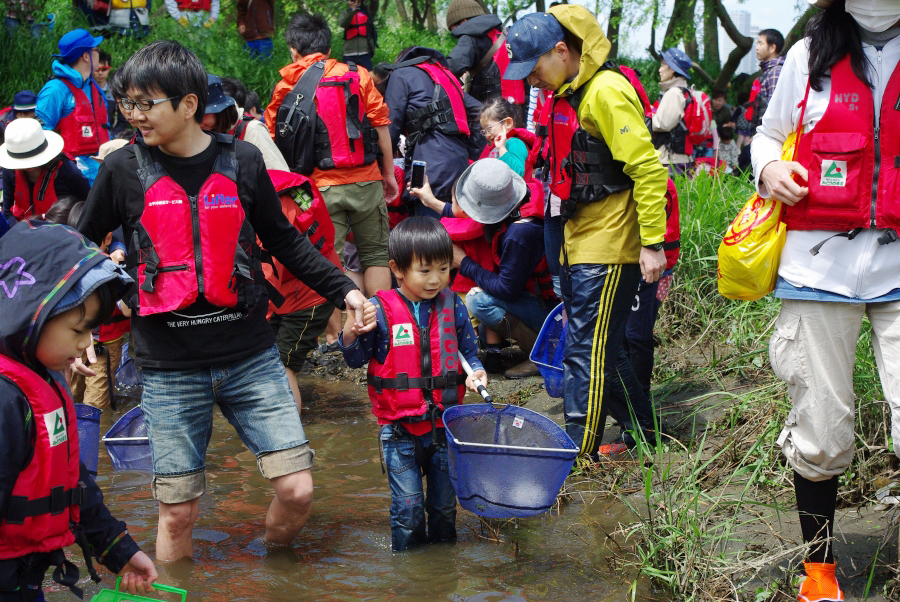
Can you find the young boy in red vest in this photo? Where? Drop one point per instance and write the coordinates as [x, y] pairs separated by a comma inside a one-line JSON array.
[[414, 375], [192, 203], [54, 288]]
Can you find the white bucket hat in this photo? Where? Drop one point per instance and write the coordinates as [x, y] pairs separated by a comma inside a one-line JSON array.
[[28, 145], [823, 4], [489, 190]]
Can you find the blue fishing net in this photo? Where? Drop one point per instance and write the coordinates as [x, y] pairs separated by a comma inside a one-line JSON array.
[[548, 350], [520, 465], [128, 382], [127, 442], [88, 418]]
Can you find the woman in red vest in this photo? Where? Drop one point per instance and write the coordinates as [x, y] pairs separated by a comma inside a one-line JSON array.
[[838, 92], [36, 173]]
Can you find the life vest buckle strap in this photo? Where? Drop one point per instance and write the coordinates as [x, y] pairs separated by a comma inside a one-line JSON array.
[[59, 500]]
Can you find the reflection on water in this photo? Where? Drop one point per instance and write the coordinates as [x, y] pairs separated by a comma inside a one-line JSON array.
[[344, 553]]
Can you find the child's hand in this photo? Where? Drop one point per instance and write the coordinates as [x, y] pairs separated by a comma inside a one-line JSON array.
[[138, 575], [458, 255], [500, 140], [470, 380], [422, 193], [369, 319]]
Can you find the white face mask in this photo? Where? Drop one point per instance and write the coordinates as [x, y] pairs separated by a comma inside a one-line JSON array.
[[874, 15]]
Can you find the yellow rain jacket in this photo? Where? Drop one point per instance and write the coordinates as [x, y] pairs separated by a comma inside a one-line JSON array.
[[614, 229]]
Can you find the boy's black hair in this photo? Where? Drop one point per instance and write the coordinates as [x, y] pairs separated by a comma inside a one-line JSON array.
[[422, 238], [104, 57], [743, 97], [773, 38], [235, 88], [167, 66], [114, 83], [308, 34], [718, 93], [253, 101], [726, 133]]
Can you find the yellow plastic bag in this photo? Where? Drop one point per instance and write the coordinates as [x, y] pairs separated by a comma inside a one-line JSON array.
[[750, 251]]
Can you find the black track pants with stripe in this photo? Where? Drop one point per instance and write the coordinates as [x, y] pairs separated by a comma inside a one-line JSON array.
[[598, 300]]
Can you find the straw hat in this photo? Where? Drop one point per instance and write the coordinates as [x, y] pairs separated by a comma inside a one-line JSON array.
[[489, 190], [28, 145], [108, 147]]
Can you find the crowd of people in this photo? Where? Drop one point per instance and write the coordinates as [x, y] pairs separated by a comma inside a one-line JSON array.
[[408, 215]]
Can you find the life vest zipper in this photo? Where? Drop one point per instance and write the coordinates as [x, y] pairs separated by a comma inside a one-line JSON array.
[[195, 228], [875, 175], [173, 268]]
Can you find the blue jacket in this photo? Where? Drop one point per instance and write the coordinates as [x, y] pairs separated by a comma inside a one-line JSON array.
[[54, 101]]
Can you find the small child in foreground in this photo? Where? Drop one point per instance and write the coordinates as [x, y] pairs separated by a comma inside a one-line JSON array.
[[57, 287], [421, 326]]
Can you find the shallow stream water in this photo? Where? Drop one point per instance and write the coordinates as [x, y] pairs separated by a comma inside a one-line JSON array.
[[344, 553]]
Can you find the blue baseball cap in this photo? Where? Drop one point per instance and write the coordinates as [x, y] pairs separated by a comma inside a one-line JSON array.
[[529, 38], [218, 101], [678, 61], [75, 43]]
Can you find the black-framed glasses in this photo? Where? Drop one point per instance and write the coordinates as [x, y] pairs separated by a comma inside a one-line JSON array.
[[144, 104]]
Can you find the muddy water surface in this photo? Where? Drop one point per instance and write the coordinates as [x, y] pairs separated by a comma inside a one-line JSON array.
[[344, 553]]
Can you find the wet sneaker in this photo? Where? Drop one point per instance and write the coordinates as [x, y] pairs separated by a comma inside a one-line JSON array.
[[326, 347], [820, 583]]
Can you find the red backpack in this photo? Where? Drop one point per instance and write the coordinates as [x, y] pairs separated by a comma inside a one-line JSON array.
[[697, 116], [339, 136]]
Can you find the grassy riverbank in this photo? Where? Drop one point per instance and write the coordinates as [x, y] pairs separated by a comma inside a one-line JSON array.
[[714, 514]]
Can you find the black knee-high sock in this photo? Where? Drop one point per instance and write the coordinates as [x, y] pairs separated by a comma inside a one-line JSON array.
[[816, 501]]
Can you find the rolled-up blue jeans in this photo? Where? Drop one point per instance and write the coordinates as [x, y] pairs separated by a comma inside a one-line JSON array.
[[410, 500], [490, 311]]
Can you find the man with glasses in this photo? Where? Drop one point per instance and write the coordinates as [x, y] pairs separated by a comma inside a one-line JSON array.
[[73, 104], [199, 322]]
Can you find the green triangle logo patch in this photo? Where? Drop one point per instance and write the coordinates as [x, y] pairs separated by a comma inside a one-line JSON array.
[[834, 173], [402, 335], [60, 426]]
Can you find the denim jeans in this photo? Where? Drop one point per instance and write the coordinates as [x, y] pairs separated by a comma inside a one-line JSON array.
[[410, 501], [553, 238], [490, 310], [254, 396]]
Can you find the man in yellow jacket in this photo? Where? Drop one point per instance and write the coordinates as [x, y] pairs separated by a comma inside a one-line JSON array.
[[616, 233]]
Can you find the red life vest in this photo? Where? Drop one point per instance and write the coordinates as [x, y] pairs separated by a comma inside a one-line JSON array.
[[853, 167], [357, 26], [47, 494], [193, 245], [512, 90], [672, 240], [582, 168], [397, 388], [469, 235], [85, 128], [193, 5], [315, 223], [114, 328], [447, 110], [35, 200]]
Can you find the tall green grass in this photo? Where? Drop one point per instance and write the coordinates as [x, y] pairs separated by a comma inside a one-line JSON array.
[[697, 504]]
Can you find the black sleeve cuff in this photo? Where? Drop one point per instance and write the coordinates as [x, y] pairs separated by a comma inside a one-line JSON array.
[[120, 551]]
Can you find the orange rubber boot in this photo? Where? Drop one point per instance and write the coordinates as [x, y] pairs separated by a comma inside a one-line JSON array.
[[820, 583]]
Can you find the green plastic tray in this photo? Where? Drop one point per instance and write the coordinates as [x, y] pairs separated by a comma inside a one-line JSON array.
[[108, 595]]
